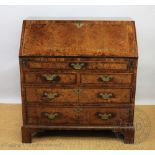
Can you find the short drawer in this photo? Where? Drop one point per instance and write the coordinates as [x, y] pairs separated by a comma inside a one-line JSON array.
[[80, 65], [51, 95], [104, 95], [78, 116], [45, 115], [108, 78], [104, 116], [50, 78]]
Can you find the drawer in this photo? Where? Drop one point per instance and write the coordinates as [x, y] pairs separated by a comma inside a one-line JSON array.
[[78, 116], [80, 65], [104, 116], [108, 78], [84, 96], [106, 95], [49, 78], [45, 115], [54, 95]]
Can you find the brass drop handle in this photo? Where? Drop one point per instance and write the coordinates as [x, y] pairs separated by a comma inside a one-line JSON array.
[[50, 96], [77, 65], [52, 115], [51, 77], [105, 78], [105, 95], [104, 116]]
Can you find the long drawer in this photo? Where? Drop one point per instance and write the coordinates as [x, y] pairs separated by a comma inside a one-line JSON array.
[[77, 116], [84, 96], [81, 65]]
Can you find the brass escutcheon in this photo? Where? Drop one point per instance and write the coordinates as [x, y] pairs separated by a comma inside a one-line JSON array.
[[77, 90], [79, 24], [78, 109]]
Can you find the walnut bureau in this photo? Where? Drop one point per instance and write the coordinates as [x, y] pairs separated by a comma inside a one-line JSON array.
[[78, 75]]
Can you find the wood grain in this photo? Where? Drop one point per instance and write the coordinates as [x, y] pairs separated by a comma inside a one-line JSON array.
[[64, 38], [40, 78], [104, 48], [115, 78], [77, 115]]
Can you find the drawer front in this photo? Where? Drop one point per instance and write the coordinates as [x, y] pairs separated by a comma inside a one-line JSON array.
[[107, 66], [47, 65], [73, 96], [107, 78], [50, 78], [80, 65], [78, 116], [54, 95], [113, 95], [104, 116], [51, 116]]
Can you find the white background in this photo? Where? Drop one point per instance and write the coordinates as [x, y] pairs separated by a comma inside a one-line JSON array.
[[10, 29]]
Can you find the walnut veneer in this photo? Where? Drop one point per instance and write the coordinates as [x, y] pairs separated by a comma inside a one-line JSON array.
[[78, 75]]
